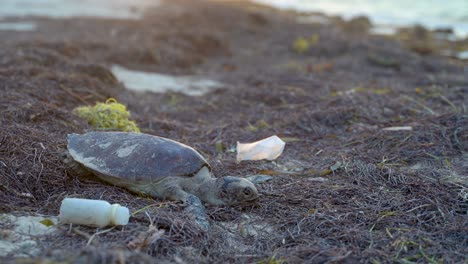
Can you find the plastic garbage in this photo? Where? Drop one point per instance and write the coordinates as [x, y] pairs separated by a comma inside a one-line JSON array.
[[93, 212], [398, 128], [268, 148]]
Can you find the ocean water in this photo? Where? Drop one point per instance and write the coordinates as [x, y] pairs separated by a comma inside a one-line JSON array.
[[121, 9], [429, 13]]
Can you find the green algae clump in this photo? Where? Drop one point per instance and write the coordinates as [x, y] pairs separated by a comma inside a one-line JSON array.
[[110, 115], [301, 45]]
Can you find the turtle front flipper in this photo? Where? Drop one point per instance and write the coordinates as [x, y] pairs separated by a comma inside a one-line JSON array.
[[196, 209], [193, 205]]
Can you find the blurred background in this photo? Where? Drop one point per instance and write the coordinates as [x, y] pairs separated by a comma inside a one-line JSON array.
[[432, 14], [129, 9]]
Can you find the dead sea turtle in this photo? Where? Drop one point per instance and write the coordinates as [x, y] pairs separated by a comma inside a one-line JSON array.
[[159, 167]]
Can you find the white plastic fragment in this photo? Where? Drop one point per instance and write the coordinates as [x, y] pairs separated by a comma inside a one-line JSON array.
[[318, 179], [93, 212], [268, 148], [398, 128]]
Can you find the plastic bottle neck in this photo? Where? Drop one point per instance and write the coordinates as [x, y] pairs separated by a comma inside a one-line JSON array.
[[119, 215], [113, 213]]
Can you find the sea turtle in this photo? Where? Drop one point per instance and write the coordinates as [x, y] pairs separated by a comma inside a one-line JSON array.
[[158, 167]]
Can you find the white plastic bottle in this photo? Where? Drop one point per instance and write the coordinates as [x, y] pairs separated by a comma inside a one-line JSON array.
[[93, 212]]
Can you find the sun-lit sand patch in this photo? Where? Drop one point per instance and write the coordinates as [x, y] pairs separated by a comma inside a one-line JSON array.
[[463, 55], [18, 26], [313, 19], [160, 83], [383, 29], [123, 9]]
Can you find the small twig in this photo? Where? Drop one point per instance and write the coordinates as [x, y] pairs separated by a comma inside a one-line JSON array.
[[151, 205], [446, 100], [272, 194], [420, 104], [98, 233], [246, 256], [149, 217], [417, 207], [84, 234], [68, 91], [339, 258]]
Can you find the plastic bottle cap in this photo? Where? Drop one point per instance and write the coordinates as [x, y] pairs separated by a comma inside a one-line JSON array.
[[121, 214]]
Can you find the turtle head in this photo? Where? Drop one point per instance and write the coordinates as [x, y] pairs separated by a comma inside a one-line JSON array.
[[235, 190]]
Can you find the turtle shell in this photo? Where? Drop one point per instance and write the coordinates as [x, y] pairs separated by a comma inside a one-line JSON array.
[[134, 156]]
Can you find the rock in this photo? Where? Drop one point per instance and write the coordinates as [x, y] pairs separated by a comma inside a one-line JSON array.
[[359, 24], [23, 232]]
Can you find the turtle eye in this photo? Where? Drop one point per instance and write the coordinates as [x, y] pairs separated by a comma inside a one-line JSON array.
[[247, 191]]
